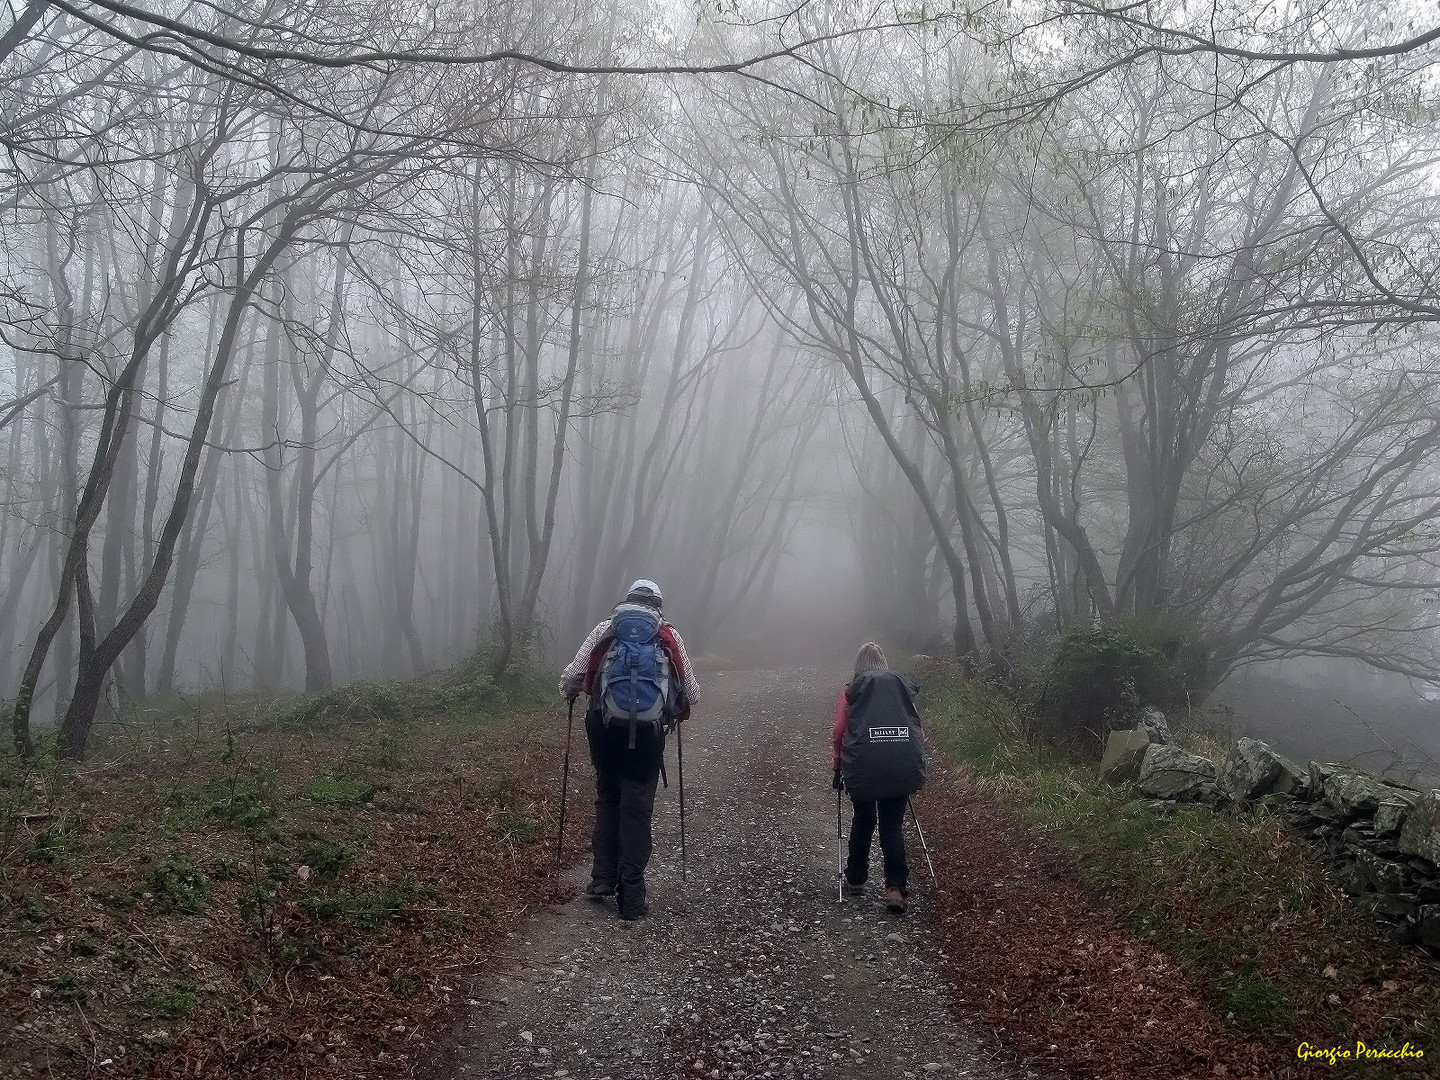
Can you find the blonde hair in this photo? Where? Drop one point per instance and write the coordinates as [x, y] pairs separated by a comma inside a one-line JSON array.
[[870, 658]]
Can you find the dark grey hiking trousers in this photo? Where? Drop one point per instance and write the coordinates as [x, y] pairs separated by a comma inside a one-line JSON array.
[[625, 783], [891, 817]]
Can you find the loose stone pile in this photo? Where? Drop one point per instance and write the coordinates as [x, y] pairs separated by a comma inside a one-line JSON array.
[[1382, 839]]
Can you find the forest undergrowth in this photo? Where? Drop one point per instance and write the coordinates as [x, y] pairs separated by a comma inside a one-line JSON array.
[[287, 886], [1237, 902], [265, 886]]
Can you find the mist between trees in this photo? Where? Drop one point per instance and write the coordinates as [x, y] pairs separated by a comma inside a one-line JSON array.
[[345, 339]]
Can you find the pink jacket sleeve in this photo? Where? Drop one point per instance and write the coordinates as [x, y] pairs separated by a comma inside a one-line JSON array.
[[837, 733]]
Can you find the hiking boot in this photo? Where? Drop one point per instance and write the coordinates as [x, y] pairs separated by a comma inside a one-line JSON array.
[[895, 899], [854, 888], [598, 890], [635, 914]]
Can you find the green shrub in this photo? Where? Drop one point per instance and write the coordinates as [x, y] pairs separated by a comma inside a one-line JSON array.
[[84, 945], [255, 980], [516, 824], [245, 799], [179, 885], [366, 908], [30, 907], [177, 1000], [338, 789], [256, 905], [52, 845], [1103, 676], [969, 715], [384, 751], [64, 987], [357, 703], [327, 858], [493, 791], [125, 954]]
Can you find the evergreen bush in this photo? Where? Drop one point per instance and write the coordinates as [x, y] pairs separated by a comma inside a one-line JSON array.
[[1103, 676]]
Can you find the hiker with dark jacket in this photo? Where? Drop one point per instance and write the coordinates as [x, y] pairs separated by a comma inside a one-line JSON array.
[[878, 755], [637, 675]]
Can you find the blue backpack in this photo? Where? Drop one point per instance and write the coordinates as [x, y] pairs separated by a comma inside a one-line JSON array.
[[635, 674]]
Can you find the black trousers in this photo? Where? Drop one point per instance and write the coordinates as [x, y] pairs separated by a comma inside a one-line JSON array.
[[625, 782], [891, 815]]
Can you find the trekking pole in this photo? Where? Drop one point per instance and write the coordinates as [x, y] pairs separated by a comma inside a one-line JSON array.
[[839, 852], [680, 764], [923, 846], [565, 783]]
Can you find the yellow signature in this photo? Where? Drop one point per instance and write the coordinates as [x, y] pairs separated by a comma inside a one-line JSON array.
[[1306, 1052]]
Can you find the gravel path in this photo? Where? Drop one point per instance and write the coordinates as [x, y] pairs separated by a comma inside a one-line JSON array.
[[752, 970]]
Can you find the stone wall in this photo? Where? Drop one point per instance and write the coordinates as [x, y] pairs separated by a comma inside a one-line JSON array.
[[1381, 839]]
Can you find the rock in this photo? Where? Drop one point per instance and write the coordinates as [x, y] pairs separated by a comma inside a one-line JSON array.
[[1292, 780], [1209, 794], [1420, 832], [1352, 879], [1392, 906], [1153, 721], [1406, 932], [1316, 774], [1168, 772], [1390, 814], [1382, 875], [1429, 926], [1249, 771], [1123, 753], [1353, 793]]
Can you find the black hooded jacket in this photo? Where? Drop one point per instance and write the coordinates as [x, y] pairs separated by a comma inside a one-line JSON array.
[[883, 753]]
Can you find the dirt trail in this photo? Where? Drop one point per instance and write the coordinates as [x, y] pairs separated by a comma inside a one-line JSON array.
[[755, 970]]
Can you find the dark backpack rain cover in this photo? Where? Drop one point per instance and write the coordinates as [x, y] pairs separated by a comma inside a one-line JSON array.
[[883, 753]]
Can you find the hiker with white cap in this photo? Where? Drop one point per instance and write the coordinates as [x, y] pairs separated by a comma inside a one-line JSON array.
[[637, 675]]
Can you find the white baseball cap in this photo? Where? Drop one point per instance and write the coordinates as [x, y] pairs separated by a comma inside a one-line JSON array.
[[645, 587]]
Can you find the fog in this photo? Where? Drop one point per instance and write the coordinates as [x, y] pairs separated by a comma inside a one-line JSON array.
[[349, 341]]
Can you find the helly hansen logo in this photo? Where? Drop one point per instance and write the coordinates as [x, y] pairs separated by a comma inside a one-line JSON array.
[[889, 734]]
